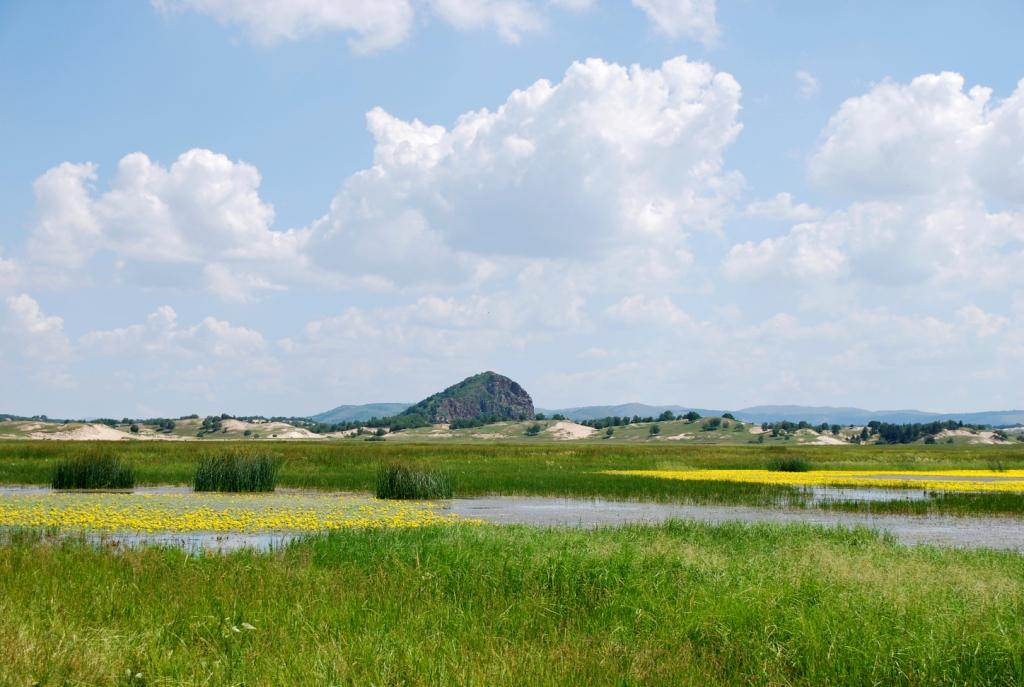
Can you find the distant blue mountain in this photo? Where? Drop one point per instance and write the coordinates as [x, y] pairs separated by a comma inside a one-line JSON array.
[[360, 413]]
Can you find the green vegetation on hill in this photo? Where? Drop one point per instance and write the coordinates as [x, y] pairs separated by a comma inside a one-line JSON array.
[[486, 397]]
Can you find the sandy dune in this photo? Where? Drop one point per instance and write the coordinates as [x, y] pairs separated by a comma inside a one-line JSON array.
[[568, 431], [89, 433]]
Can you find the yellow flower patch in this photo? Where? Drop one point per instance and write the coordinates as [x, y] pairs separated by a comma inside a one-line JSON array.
[[965, 480], [212, 512]]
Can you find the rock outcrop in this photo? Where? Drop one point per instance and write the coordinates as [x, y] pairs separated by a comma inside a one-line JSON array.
[[488, 396]]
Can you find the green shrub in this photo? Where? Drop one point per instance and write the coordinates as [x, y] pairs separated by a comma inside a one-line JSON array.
[[396, 481], [236, 471], [93, 470], [533, 430], [789, 464]]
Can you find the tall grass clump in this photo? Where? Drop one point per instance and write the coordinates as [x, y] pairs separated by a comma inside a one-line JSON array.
[[789, 464], [236, 471], [395, 481], [93, 470]]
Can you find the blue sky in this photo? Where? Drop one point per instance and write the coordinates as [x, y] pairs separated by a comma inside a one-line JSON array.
[[783, 202]]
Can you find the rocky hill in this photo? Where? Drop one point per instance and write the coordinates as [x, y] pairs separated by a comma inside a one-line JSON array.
[[487, 396]]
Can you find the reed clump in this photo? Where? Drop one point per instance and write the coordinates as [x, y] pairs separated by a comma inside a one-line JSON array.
[[396, 481], [96, 469], [789, 464], [236, 471]]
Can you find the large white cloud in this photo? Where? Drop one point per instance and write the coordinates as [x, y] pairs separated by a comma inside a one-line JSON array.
[[925, 137], [934, 171], [160, 366], [204, 209], [31, 333], [162, 335], [609, 157]]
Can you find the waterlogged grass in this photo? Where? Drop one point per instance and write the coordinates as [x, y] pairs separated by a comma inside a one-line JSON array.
[[236, 471], [679, 604], [554, 469], [209, 512], [946, 480], [92, 469], [396, 481]]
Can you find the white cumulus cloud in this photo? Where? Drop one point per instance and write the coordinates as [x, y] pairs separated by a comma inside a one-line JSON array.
[[203, 208], [693, 18], [608, 157]]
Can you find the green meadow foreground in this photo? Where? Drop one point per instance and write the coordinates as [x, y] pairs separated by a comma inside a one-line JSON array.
[[470, 604], [395, 594]]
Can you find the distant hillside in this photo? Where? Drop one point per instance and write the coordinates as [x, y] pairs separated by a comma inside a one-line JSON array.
[[860, 416], [813, 414], [359, 413], [622, 410], [486, 396]]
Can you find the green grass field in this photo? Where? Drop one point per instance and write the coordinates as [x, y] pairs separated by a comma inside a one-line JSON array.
[[674, 604], [541, 468], [678, 604]]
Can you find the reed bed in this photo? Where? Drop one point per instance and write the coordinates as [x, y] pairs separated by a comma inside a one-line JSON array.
[[396, 481], [95, 469], [789, 464], [236, 471]]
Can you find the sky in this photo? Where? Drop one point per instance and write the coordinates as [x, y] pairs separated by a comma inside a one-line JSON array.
[[277, 207]]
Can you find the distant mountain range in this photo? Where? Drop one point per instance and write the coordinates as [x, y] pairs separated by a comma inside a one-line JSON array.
[[359, 413], [812, 414]]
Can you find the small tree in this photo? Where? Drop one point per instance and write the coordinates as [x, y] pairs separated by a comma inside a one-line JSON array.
[[692, 416], [654, 430], [533, 430], [134, 429], [667, 416], [728, 416], [609, 432]]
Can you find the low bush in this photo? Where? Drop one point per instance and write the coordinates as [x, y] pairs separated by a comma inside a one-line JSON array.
[[93, 470], [396, 481], [789, 464], [236, 471]]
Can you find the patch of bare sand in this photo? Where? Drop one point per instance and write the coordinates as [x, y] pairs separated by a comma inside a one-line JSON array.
[[678, 437], [282, 430], [88, 433], [564, 430]]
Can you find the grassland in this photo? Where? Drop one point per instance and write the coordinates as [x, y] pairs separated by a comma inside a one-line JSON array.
[[482, 605], [541, 468]]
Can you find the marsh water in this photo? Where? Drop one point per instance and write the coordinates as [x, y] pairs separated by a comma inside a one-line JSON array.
[[958, 531]]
